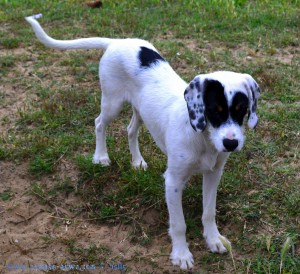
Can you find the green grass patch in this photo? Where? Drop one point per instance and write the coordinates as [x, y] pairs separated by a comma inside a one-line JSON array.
[[10, 43], [52, 195], [7, 61], [5, 195], [92, 254]]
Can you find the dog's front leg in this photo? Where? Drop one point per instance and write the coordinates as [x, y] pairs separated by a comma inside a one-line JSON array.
[[180, 252], [211, 233]]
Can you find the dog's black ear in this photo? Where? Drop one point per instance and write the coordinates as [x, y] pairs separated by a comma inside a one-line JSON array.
[[253, 95], [193, 96]]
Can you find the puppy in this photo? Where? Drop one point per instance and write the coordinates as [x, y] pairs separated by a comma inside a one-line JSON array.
[[195, 124]]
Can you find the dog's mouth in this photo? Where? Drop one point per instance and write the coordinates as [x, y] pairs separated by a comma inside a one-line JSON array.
[[236, 150]]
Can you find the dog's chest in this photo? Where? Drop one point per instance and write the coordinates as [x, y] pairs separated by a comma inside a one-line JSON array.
[[205, 161]]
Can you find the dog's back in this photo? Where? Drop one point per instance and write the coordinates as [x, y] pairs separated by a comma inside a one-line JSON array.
[[131, 70]]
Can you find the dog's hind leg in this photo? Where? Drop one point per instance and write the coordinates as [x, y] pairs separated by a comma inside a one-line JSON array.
[[110, 109], [133, 132]]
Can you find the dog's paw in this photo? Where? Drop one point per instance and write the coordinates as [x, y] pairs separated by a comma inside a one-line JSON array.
[[216, 244], [139, 164], [104, 160], [182, 257]]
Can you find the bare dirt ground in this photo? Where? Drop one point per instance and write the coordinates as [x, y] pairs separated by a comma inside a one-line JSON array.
[[31, 236]]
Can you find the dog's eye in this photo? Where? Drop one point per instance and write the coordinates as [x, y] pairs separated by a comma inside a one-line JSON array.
[[240, 107], [216, 110], [219, 109]]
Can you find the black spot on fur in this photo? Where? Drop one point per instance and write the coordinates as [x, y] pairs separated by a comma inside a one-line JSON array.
[[239, 107], [149, 57], [217, 111], [192, 114], [201, 124], [198, 86]]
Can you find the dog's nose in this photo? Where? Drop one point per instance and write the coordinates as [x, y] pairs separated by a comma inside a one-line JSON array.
[[230, 145]]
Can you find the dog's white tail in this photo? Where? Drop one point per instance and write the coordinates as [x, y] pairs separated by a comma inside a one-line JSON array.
[[83, 43]]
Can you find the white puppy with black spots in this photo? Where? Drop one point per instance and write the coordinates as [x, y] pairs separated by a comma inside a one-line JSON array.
[[196, 125]]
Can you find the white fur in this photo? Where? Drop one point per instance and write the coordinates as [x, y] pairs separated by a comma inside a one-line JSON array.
[[156, 96]]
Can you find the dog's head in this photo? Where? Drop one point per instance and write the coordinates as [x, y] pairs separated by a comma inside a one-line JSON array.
[[220, 101]]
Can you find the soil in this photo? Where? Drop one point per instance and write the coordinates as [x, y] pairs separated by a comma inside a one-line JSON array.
[[32, 237]]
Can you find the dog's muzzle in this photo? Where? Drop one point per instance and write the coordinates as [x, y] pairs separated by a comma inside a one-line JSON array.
[[230, 145]]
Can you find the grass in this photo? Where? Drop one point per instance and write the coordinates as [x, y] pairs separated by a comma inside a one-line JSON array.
[[259, 193], [5, 195]]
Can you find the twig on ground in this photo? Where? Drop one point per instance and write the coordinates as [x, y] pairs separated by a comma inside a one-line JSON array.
[[26, 219]]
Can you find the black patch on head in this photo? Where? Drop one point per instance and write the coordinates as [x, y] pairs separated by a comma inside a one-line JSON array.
[[239, 107], [215, 102], [149, 57]]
